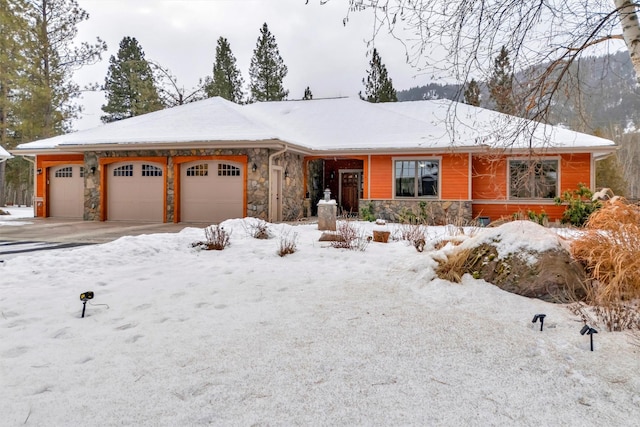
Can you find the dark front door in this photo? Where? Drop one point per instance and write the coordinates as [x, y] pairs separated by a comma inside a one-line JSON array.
[[350, 191]]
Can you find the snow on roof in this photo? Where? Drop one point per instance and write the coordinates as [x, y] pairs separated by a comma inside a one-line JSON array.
[[4, 154], [212, 119], [330, 124], [466, 124]]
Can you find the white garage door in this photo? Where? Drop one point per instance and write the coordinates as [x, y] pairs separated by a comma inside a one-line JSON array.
[[211, 191], [66, 191], [135, 192]]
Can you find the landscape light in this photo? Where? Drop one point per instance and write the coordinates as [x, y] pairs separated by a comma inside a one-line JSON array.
[[541, 318], [84, 297], [586, 329]]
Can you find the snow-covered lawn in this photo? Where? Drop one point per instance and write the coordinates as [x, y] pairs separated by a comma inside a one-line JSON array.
[[177, 336]]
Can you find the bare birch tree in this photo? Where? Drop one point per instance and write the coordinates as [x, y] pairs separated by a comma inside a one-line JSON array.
[[458, 38]]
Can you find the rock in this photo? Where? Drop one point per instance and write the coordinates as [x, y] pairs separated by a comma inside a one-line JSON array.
[[554, 277]]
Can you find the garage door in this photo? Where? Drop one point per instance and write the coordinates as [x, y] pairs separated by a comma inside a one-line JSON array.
[[66, 191], [211, 191], [135, 192]]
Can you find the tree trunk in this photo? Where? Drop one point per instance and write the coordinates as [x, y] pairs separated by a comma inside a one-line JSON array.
[[2, 198], [630, 31]]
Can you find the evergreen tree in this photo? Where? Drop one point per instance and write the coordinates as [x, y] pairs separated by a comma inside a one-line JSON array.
[[53, 59], [227, 80], [14, 36], [267, 69], [378, 85], [307, 94], [472, 93], [501, 83], [129, 85]]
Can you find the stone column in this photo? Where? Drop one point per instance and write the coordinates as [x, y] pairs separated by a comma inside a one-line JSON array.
[[327, 213]]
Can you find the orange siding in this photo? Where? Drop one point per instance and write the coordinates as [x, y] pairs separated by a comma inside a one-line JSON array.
[[381, 177], [43, 162], [455, 177], [575, 169], [489, 178]]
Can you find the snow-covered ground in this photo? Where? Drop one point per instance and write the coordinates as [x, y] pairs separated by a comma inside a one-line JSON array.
[[178, 336]]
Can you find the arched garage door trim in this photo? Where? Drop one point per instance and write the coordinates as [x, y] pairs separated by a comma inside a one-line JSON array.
[[179, 160], [49, 168], [105, 162]]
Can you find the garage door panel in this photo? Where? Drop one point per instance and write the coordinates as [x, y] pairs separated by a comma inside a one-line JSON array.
[[135, 192], [66, 191], [211, 191]]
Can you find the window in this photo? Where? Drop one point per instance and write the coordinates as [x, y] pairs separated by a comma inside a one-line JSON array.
[[81, 171], [64, 172], [125, 170], [533, 179], [228, 170], [198, 170], [151, 170], [417, 178]]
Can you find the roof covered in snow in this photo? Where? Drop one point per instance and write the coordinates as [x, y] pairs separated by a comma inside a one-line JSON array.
[[329, 125], [4, 154]]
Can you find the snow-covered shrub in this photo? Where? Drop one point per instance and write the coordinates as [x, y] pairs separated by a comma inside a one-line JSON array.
[[216, 238], [256, 228], [288, 244], [351, 237]]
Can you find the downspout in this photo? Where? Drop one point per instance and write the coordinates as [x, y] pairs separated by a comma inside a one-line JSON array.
[[271, 156]]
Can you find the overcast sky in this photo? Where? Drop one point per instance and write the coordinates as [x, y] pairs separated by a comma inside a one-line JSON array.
[[318, 49]]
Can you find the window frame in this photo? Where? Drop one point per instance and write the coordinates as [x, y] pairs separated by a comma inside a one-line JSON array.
[[435, 159], [540, 160]]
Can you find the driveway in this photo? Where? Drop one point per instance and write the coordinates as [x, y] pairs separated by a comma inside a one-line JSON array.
[[82, 232]]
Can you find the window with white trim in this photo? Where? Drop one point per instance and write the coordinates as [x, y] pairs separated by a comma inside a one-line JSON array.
[[416, 178], [64, 172], [198, 170], [81, 171], [151, 170], [124, 170], [533, 179], [228, 170]]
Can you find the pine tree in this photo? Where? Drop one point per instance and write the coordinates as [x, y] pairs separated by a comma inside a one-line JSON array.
[[472, 93], [129, 85], [307, 94], [267, 69], [378, 85], [13, 39], [53, 59], [501, 83], [227, 80]]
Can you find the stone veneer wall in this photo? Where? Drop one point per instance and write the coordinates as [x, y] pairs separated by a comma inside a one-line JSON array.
[[257, 182], [437, 212]]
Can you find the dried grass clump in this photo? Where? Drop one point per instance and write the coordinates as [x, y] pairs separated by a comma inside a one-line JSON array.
[[288, 244], [217, 238], [455, 266], [610, 251], [351, 237]]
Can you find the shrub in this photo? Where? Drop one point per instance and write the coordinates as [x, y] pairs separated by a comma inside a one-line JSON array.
[[217, 238], [367, 213], [257, 228], [579, 205], [288, 244], [610, 251], [414, 234], [350, 237]]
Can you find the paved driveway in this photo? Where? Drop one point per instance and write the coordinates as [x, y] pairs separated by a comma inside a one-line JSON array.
[[82, 232]]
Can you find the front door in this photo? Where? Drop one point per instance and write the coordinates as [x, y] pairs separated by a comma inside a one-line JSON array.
[[350, 191]]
